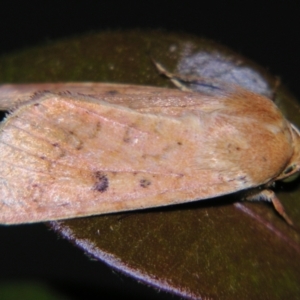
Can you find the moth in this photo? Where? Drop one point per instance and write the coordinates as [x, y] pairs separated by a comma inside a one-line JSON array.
[[96, 148]]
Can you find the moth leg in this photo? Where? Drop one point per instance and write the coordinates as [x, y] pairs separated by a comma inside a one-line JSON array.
[[269, 195]]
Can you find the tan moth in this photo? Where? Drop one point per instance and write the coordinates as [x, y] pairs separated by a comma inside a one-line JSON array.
[[126, 147]]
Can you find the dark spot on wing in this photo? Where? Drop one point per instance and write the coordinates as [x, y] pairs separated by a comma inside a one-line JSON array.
[[98, 126], [65, 93], [129, 134], [126, 140], [79, 146], [179, 143], [62, 151], [231, 147], [64, 204], [242, 179], [112, 92], [145, 183], [102, 182]]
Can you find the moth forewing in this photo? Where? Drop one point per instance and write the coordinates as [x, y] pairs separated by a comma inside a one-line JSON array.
[[68, 155]]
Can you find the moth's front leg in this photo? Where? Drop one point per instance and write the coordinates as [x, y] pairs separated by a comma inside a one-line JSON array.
[[270, 196]]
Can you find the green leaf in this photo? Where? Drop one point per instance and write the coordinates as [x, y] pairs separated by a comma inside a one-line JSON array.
[[212, 249]]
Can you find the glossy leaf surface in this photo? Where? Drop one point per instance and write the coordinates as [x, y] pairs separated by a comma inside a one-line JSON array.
[[211, 249]]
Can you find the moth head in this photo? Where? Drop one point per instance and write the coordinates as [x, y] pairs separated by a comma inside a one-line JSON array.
[[292, 169]]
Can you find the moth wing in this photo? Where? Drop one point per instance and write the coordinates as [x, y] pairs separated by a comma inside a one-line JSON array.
[[12, 95], [64, 157], [210, 92]]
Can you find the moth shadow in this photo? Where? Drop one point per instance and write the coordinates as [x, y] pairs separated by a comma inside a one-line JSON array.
[[202, 204], [288, 185]]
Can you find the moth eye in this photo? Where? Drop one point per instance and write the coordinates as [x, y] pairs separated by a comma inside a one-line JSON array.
[[289, 169]]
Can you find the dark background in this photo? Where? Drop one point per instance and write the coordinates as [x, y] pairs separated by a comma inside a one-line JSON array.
[[266, 32]]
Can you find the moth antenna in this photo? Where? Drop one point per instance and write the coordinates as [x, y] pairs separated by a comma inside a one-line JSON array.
[[175, 79], [205, 84]]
